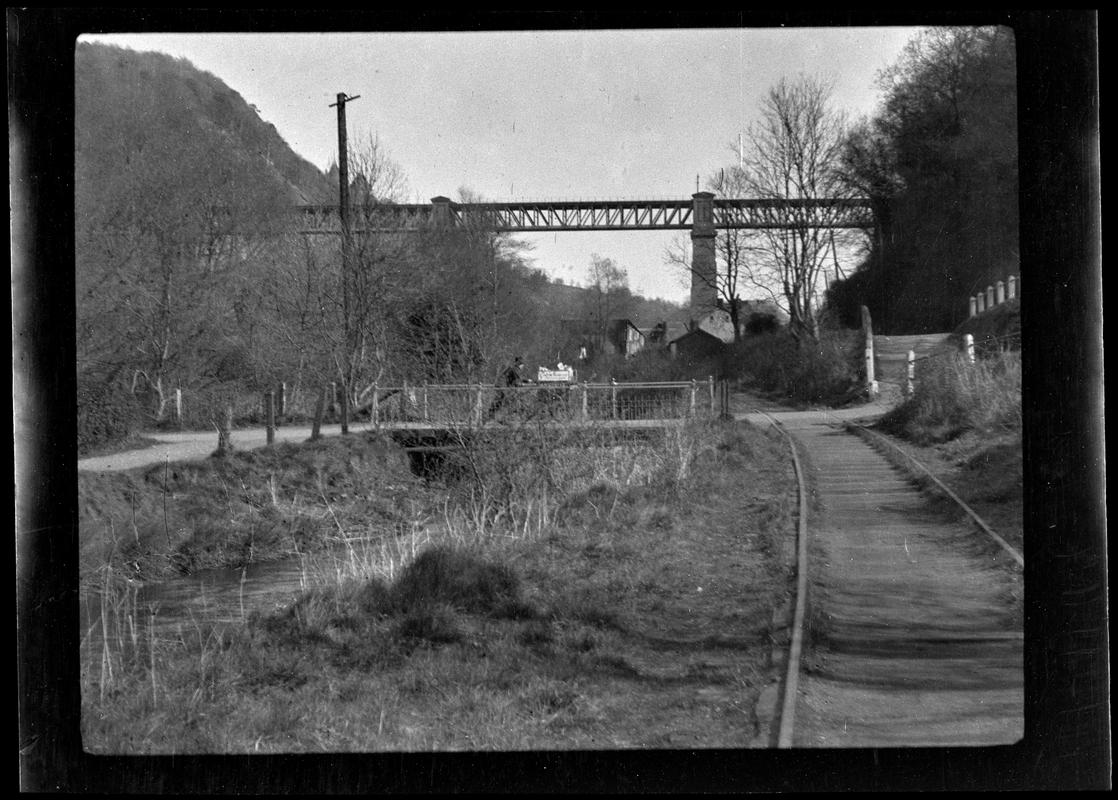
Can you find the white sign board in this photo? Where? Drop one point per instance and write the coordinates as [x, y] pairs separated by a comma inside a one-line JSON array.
[[556, 375]]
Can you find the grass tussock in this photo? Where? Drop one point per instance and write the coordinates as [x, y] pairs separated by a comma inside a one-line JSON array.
[[622, 619]]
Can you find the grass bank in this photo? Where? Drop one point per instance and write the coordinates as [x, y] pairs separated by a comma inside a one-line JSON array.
[[632, 608], [964, 423], [257, 505]]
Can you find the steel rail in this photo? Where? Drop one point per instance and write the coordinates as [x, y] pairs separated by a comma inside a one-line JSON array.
[[795, 649], [969, 511]]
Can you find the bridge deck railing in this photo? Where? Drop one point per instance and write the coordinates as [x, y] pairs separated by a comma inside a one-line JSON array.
[[570, 403]]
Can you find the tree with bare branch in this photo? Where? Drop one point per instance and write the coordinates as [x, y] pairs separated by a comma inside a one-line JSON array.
[[794, 154]]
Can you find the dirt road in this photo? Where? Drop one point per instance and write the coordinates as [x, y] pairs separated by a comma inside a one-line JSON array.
[[192, 445]]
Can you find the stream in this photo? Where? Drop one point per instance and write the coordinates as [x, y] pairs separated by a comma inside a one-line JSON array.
[[222, 596]]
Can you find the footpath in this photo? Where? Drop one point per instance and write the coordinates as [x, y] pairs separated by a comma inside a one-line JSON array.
[[913, 634]]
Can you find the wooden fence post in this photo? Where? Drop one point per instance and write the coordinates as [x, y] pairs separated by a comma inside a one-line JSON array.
[[867, 329], [225, 432], [691, 405], [333, 397], [710, 385], [178, 408], [968, 347], [613, 398], [585, 404], [270, 415], [319, 410], [426, 416], [281, 401], [910, 381], [477, 404], [345, 408], [374, 408]]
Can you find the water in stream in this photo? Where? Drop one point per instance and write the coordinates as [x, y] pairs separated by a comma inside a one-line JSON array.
[[223, 596]]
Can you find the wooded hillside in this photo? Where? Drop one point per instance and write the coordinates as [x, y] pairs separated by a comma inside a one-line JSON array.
[[939, 160]]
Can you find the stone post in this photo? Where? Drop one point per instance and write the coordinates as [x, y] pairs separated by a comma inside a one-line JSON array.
[[973, 306], [968, 347], [911, 379], [999, 292], [1011, 287], [980, 299], [867, 330], [440, 212], [989, 297]]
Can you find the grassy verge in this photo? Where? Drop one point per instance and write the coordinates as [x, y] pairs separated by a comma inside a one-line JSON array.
[[631, 608], [964, 423]]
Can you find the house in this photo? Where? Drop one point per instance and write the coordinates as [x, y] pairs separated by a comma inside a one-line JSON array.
[[583, 339], [696, 345]]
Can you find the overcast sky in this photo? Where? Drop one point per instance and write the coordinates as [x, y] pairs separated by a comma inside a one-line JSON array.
[[540, 115]]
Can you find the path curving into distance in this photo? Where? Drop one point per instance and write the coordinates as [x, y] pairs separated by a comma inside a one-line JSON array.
[[913, 633]]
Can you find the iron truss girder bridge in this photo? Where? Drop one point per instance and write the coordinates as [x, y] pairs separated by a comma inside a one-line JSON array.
[[595, 215]]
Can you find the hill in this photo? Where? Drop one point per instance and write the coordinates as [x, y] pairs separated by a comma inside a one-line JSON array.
[[137, 112]]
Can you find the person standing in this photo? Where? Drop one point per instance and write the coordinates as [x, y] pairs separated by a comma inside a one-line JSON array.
[[512, 377]]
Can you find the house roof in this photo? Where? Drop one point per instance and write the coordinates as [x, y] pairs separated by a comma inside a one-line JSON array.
[[697, 333]]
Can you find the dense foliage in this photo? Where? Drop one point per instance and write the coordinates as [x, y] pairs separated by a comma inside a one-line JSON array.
[[939, 161]]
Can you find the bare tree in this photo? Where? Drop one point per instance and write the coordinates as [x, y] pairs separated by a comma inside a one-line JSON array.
[[609, 293], [795, 152]]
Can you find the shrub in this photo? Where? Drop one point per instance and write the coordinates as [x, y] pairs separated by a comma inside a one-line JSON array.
[[805, 372], [106, 414]]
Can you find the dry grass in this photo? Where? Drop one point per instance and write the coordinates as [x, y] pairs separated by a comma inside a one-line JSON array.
[[634, 611]]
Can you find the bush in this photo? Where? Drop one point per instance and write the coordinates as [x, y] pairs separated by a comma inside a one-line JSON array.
[[106, 414], [805, 372]]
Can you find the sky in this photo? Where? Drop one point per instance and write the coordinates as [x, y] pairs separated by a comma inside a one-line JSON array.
[[546, 115]]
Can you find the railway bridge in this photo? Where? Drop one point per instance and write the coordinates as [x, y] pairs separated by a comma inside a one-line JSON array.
[[702, 215]]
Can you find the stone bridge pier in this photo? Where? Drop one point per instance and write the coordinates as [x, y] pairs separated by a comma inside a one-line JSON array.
[[704, 271]]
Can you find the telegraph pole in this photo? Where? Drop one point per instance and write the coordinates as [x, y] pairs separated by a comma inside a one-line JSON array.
[[343, 214]]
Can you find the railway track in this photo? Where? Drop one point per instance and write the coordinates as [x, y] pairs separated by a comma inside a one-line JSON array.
[[903, 631]]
